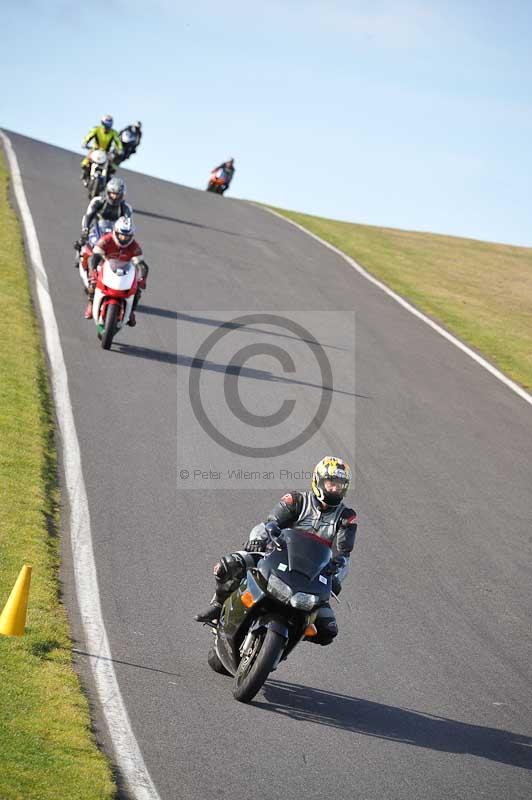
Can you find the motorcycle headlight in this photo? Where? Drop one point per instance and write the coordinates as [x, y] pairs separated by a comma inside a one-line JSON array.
[[304, 601], [278, 589]]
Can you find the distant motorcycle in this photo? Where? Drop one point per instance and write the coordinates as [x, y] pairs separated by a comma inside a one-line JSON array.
[[218, 181], [272, 610], [100, 171], [129, 144], [116, 287]]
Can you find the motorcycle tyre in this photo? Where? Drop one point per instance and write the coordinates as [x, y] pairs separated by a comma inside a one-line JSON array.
[[245, 688], [109, 330], [93, 187], [214, 662]]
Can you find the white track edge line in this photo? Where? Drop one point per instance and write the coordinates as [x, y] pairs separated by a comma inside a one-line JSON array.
[[128, 755], [402, 302]]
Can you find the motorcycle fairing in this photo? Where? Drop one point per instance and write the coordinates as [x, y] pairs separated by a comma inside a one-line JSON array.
[[98, 229], [118, 275], [98, 157]]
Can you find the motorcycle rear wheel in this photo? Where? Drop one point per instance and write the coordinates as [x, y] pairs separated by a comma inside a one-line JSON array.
[[109, 330], [254, 669]]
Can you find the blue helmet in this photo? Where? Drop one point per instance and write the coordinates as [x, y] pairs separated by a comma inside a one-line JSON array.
[[107, 122]]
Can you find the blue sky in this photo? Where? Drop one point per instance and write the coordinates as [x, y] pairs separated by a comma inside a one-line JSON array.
[[405, 114]]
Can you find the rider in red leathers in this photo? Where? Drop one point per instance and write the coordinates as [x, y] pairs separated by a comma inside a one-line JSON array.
[[121, 245]]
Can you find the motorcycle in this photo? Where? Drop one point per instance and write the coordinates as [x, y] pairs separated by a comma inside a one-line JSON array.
[[217, 181], [99, 172], [129, 143], [116, 287], [272, 610], [97, 230]]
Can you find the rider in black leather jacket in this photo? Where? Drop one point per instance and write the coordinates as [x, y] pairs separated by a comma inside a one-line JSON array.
[[320, 511]]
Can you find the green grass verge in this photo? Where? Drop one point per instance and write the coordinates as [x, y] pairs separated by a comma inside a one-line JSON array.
[[47, 750], [480, 291]]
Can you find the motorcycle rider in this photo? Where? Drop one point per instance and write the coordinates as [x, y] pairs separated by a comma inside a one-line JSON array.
[[104, 137], [128, 148], [108, 206], [229, 170], [321, 511], [119, 244]]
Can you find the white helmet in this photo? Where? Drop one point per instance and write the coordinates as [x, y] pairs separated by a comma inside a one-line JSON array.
[[123, 231]]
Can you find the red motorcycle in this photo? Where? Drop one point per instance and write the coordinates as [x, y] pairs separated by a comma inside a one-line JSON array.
[[218, 181], [116, 287]]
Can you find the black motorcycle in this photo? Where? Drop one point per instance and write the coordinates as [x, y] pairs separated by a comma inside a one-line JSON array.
[[272, 610]]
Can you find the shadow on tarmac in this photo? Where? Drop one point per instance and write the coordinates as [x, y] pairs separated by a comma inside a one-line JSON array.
[[218, 323], [166, 218], [180, 360], [403, 725]]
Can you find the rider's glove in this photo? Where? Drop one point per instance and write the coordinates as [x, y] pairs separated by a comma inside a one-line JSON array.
[[336, 565], [273, 529], [339, 562], [84, 235], [256, 546]]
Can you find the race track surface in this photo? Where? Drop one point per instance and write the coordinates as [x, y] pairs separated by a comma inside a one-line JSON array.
[[427, 691]]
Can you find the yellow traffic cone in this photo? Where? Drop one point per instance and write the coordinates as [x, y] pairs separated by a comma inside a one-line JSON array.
[[13, 617]]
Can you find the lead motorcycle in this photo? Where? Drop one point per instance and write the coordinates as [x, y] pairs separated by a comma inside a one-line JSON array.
[[272, 610]]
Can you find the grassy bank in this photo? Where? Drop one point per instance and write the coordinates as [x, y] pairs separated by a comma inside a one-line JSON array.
[[47, 750], [480, 291]]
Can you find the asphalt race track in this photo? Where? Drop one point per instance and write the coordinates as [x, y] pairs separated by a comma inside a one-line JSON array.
[[427, 691]]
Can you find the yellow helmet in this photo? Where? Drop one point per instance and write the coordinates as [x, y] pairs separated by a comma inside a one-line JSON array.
[[330, 468]]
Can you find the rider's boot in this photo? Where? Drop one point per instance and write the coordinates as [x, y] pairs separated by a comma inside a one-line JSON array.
[[88, 310], [132, 321], [212, 612]]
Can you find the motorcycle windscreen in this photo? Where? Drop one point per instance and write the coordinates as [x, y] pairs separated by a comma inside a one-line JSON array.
[[306, 553], [98, 157], [118, 274]]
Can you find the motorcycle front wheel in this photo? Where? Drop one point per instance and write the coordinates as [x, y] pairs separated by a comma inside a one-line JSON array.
[[215, 663], [95, 186], [109, 330], [255, 666]]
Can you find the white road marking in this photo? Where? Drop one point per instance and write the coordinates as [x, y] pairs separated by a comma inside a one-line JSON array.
[[128, 755], [446, 335]]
